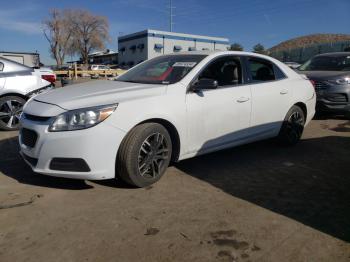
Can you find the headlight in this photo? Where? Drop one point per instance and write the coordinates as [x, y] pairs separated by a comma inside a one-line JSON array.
[[340, 81], [81, 118]]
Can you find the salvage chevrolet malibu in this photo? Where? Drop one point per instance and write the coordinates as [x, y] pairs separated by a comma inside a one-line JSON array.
[[165, 109]]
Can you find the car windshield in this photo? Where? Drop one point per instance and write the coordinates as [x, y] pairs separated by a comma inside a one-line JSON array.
[[327, 63], [162, 70]]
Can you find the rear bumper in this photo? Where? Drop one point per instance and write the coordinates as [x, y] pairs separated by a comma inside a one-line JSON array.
[[311, 109]]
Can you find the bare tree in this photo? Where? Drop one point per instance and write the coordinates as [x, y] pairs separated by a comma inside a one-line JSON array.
[[90, 32], [58, 33]]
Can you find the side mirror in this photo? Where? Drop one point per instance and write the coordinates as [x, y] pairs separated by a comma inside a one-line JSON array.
[[204, 83]]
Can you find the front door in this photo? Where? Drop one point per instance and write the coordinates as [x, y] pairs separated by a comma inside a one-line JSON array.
[[217, 118]]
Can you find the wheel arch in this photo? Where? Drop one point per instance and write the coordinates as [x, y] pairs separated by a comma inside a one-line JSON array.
[[174, 135], [303, 107], [14, 94]]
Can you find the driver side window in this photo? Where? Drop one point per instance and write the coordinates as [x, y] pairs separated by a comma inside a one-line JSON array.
[[227, 71]]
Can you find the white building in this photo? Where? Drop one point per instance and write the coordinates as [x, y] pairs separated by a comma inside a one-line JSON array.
[[137, 47], [28, 59]]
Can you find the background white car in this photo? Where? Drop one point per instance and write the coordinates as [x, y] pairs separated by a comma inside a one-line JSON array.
[[17, 84], [165, 109], [100, 68]]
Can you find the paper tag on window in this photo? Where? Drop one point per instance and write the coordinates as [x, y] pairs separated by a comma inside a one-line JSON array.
[[184, 64]]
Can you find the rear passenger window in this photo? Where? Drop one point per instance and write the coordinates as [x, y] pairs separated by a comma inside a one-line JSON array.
[[261, 70]]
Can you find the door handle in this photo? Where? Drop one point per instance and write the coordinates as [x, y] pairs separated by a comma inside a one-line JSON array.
[[284, 92], [242, 99]]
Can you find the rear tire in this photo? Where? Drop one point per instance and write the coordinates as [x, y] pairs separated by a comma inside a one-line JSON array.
[[144, 155], [10, 111], [292, 127]]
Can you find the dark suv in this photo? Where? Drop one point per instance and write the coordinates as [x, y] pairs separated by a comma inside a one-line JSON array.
[[330, 74]]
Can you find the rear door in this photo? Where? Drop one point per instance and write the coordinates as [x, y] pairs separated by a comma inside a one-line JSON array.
[[271, 96]]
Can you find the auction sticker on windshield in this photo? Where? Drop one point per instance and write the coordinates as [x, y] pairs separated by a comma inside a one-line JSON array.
[[184, 64]]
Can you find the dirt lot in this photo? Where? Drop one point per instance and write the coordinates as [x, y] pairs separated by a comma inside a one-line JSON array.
[[258, 202]]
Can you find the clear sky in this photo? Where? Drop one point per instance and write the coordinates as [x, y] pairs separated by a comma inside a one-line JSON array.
[[245, 21]]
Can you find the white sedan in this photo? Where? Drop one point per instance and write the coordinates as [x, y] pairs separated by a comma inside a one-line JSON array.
[[17, 84], [166, 109]]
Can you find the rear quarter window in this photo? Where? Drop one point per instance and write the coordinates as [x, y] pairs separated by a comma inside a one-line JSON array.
[[1, 67], [279, 73]]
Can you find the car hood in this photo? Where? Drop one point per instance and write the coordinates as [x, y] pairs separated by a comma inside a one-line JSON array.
[[96, 93], [324, 75]]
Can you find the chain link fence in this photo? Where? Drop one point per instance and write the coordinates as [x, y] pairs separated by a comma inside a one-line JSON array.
[[300, 55]]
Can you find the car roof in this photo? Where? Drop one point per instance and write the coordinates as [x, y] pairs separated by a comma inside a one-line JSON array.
[[335, 54], [219, 52]]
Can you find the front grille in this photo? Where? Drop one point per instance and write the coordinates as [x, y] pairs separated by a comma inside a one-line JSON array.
[[28, 137], [321, 85], [36, 118], [33, 161], [340, 98]]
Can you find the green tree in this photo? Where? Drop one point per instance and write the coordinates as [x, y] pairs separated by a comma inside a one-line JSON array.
[[236, 47], [259, 48]]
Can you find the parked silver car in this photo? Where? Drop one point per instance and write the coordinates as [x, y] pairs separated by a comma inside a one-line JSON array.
[[17, 84]]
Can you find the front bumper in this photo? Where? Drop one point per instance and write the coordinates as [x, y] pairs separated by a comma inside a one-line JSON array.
[[333, 98], [96, 146]]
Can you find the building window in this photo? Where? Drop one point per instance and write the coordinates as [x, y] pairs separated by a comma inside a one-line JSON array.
[[158, 46], [141, 46], [133, 48], [177, 48], [122, 49]]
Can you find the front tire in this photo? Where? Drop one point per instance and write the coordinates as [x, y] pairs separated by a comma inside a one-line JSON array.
[[10, 112], [144, 155], [292, 127]]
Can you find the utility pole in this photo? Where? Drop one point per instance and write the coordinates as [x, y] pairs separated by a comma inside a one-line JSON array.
[[171, 15]]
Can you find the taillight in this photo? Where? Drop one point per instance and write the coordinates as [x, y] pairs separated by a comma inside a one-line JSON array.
[[49, 78], [313, 82]]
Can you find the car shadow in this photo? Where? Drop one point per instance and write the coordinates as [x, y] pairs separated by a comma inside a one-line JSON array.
[[308, 182], [329, 116], [13, 166]]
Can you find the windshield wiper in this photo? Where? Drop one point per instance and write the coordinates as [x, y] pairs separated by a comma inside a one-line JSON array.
[[127, 81]]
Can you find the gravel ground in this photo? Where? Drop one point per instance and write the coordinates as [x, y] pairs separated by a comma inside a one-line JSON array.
[[258, 202]]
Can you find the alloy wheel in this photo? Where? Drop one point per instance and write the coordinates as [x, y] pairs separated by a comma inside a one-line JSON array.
[[10, 113], [295, 126], [153, 153]]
